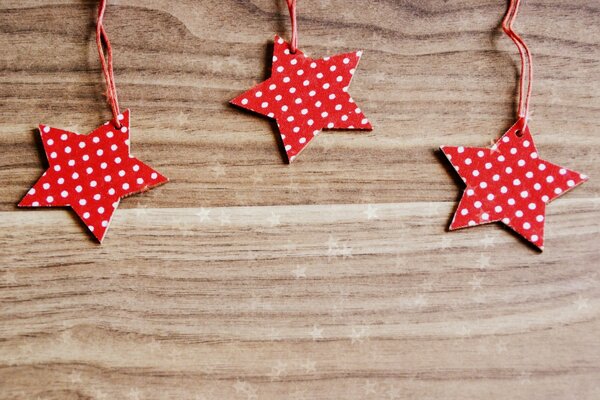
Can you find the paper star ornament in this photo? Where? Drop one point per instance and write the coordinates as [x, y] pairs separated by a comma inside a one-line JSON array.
[[305, 96], [90, 173], [509, 183]]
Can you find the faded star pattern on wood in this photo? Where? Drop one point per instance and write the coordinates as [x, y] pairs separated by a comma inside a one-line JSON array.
[[90, 173], [305, 96], [510, 183]]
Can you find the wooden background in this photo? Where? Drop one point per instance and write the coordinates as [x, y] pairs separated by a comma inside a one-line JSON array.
[[332, 278]]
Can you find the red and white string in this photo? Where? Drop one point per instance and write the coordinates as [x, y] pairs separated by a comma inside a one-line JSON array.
[[526, 59], [103, 44]]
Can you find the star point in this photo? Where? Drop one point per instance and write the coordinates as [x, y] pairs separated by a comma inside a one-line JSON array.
[[305, 96]]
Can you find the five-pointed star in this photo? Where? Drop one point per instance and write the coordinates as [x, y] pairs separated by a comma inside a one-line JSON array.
[[509, 183], [305, 96], [90, 173]]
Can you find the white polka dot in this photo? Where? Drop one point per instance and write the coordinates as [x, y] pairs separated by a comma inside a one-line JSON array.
[[508, 170], [280, 69], [82, 202], [99, 152], [344, 118], [330, 125], [81, 145], [244, 101], [75, 175], [488, 165], [296, 129], [258, 94], [326, 86], [346, 60], [480, 153], [475, 172], [300, 72], [96, 139], [468, 161], [46, 129], [91, 228], [292, 90], [505, 139], [57, 168], [107, 178], [86, 215], [506, 220], [521, 163], [516, 182], [93, 183], [529, 174], [498, 209], [272, 86], [558, 190], [496, 177], [470, 192], [306, 83], [85, 157], [288, 147], [524, 194], [324, 114], [100, 210], [513, 151], [31, 191], [136, 168], [118, 160], [104, 224], [53, 154], [78, 188], [464, 211], [71, 163], [537, 186], [490, 197], [549, 179], [531, 206], [562, 171], [534, 155], [534, 238], [472, 223], [526, 143], [526, 225], [501, 158], [570, 183], [542, 167], [64, 194], [483, 185], [61, 181], [313, 65], [545, 198], [539, 218], [284, 108], [511, 201], [519, 213], [49, 199], [64, 136], [298, 100], [139, 181], [154, 175], [121, 173], [485, 216], [312, 93], [46, 186], [290, 118], [124, 129], [302, 140], [477, 204], [318, 104]]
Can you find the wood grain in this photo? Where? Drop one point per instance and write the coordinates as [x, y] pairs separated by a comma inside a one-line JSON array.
[[332, 278]]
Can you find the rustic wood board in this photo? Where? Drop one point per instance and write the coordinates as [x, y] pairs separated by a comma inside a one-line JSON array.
[[332, 278]]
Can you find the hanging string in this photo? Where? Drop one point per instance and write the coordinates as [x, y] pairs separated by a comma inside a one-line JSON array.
[[107, 63], [526, 59], [292, 8]]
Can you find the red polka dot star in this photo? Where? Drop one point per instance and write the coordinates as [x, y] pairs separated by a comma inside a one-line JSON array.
[[305, 96], [90, 173], [509, 183]]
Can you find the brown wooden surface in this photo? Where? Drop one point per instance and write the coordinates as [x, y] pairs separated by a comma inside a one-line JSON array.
[[332, 278]]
